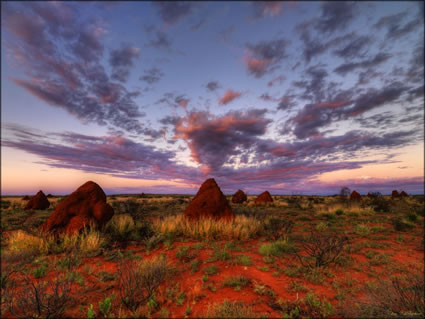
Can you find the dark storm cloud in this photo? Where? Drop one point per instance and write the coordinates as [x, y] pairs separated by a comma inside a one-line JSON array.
[[379, 58], [121, 61], [265, 56], [78, 83], [212, 86], [173, 11], [152, 76], [336, 16], [212, 140]]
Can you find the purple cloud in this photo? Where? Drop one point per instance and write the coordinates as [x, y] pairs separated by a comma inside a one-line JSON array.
[[121, 61]]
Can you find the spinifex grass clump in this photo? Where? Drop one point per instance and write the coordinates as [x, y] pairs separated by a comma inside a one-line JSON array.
[[241, 228]]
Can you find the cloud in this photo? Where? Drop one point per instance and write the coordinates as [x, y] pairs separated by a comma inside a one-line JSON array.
[[341, 106], [263, 8], [378, 59], [225, 33], [229, 96], [279, 79], [392, 23], [313, 83], [78, 83], [158, 38], [152, 76], [212, 86], [212, 140], [336, 16], [354, 48], [172, 12], [121, 61], [264, 57]]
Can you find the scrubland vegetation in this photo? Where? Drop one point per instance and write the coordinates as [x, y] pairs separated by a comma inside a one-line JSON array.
[[302, 256]]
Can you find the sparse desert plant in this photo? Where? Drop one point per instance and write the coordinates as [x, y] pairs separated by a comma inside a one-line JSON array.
[[241, 228], [401, 225], [236, 282], [362, 230], [120, 226], [185, 254], [242, 260], [322, 248], [231, 309], [21, 241], [211, 270], [91, 241], [277, 248], [47, 299], [400, 296], [105, 307], [279, 228], [311, 306], [138, 280], [380, 204]]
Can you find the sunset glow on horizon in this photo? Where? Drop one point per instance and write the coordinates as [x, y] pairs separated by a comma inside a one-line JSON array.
[[156, 97]]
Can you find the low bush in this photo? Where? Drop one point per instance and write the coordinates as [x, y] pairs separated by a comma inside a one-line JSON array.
[[322, 248], [138, 280], [231, 309], [47, 299], [401, 225], [237, 282], [279, 228], [311, 306], [398, 297], [277, 248]]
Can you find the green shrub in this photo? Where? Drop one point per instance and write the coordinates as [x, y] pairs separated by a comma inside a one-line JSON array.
[[276, 249], [412, 217], [279, 227], [105, 307], [236, 282], [40, 271], [401, 225], [311, 306], [211, 270], [242, 260], [339, 212]]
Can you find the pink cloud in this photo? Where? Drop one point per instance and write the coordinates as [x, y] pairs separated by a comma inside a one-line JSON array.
[[229, 96]]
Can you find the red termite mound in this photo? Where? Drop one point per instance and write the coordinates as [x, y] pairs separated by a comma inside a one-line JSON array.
[[209, 202], [355, 196], [39, 201], [87, 205], [395, 194], [403, 194], [264, 197], [239, 197]]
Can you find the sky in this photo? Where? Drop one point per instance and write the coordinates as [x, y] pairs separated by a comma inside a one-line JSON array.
[[155, 97]]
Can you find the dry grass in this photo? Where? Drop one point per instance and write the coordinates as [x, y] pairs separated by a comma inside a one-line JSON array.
[[241, 228], [122, 223], [24, 243], [90, 241]]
